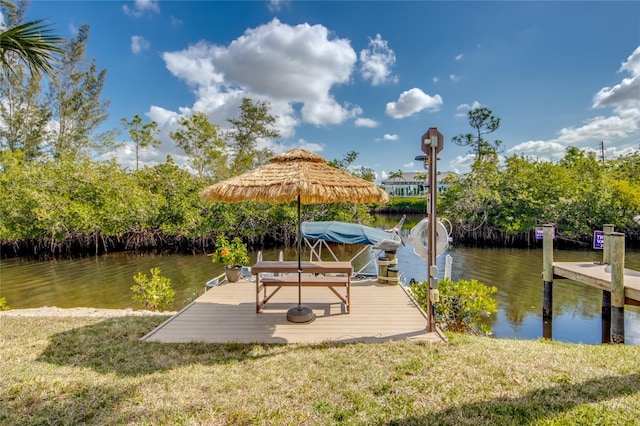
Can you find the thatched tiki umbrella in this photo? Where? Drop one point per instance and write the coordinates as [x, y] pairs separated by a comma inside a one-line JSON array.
[[296, 175]]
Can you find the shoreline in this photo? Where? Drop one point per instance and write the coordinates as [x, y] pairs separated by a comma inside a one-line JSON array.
[[54, 311]]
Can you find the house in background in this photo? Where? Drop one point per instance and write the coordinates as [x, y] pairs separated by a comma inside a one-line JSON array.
[[413, 184]]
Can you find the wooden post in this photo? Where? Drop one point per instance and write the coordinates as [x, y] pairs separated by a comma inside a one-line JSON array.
[[391, 257], [392, 274], [617, 287], [383, 264], [606, 294], [391, 267], [606, 251], [547, 272], [606, 316]]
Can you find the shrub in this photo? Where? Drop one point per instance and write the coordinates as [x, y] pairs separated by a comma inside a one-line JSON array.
[[154, 293], [462, 304], [230, 253], [3, 304]]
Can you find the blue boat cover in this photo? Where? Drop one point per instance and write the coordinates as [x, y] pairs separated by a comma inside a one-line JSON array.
[[347, 233]]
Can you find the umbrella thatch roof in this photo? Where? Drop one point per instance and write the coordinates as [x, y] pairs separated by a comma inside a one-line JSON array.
[[296, 173]]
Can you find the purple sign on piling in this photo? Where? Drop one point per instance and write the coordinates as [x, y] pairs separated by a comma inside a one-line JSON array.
[[540, 232], [598, 240]]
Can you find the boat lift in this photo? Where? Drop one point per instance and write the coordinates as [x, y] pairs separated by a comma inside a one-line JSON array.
[[317, 235]]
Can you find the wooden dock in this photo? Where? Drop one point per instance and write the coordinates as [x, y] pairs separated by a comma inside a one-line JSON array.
[[619, 286], [596, 275], [227, 314]]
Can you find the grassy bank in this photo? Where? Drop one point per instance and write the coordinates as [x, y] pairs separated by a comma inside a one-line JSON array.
[[95, 371]]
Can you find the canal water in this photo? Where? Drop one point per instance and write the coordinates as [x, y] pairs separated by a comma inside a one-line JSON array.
[[105, 282]]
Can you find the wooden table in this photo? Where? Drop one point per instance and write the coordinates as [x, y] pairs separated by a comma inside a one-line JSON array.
[[314, 274]]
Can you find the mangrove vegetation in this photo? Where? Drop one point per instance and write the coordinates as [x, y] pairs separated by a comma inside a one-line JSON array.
[[63, 194]]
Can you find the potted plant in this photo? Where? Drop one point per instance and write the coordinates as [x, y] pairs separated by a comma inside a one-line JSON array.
[[232, 254]]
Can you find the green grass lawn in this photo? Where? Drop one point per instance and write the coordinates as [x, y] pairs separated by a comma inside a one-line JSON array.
[[68, 371]]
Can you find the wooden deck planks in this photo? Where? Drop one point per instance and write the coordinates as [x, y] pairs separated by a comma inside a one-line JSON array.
[[594, 275], [226, 314]]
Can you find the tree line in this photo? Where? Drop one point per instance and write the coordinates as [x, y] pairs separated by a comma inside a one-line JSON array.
[[57, 200], [503, 203], [578, 194], [69, 207]]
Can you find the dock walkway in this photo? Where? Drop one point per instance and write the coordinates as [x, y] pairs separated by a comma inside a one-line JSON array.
[[227, 313], [596, 275]]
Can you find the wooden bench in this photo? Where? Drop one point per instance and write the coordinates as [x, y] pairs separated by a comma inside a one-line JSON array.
[[277, 282], [314, 274]]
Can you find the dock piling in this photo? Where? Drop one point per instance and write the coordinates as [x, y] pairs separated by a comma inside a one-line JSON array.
[[607, 229], [606, 294], [547, 279], [617, 287]]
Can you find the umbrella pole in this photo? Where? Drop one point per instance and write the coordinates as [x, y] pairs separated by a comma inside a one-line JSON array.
[[300, 314], [299, 256]]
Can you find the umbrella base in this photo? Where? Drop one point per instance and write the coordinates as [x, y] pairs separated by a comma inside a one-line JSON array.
[[300, 314]]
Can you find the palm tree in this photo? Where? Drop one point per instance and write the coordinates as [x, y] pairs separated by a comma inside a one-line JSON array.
[[32, 42], [399, 174]]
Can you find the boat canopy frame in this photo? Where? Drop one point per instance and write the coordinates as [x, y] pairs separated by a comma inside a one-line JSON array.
[[317, 235]]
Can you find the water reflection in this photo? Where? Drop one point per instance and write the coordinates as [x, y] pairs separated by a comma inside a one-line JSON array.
[[105, 282]]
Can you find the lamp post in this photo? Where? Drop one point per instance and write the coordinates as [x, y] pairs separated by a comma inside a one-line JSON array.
[[432, 143]]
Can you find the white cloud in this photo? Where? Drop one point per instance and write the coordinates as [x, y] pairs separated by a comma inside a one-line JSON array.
[[162, 116], [619, 151], [276, 5], [627, 92], [601, 128], [622, 123], [301, 143], [299, 63], [293, 68], [366, 122], [617, 127], [140, 7], [175, 21], [538, 147], [291, 65], [462, 163], [388, 137], [194, 65], [377, 61], [411, 102], [327, 112], [436, 79], [138, 44], [463, 109], [632, 64], [409, 165], [310, 146], [454, 77], [459, 57]]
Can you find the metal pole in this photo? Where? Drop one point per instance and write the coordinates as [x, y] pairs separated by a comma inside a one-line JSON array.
[[300, 314], [432, 271], [432, 143], [299, 256], [433, 189]]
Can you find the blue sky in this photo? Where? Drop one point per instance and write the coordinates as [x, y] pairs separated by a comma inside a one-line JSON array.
[[372, 77]]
